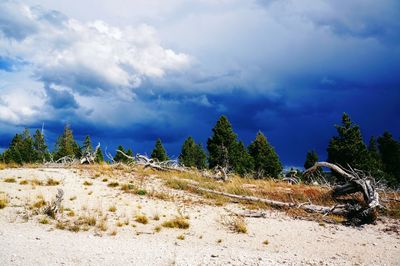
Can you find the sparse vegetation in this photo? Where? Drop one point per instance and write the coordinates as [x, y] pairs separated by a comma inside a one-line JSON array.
[[87, 183], [113, 184], [140, 218], [266, 242], [52, 182], [23, 182], [239, 225], [181, 237], [178, 222], [44, 220], [3, 201], [157, 229], [112, 208], [10, 180]]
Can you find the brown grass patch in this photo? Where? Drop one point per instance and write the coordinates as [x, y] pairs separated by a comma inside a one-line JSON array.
[[178, 222]]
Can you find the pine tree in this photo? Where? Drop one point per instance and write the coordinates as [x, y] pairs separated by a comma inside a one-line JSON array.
[[221, 144], [66, 145], [27, 150], [129, 152], [87, 145], [12, 154], [159, 152], [192, 154], [39, 144], [99, 156], [241, 159], [389, 149], [311, 159], [118, 156], [348, 148], [266, 161]]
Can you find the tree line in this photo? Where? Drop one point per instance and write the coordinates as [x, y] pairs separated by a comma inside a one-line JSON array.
[[380, 158]]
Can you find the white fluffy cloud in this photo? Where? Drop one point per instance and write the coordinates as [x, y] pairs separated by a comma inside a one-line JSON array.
[[86, 57]]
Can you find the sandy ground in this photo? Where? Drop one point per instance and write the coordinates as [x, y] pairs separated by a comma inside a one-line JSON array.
[[208, 241]]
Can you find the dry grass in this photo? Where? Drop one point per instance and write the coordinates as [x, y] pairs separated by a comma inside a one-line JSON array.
[[178, 222], [181, 237], [239, 225], [157, 229], [113, 233], [44, 220], [140, 218], [3, 201], [112, 209], [10, 180], [39, 203], [266, 242], [52, 182], [87, 183], [72, 198], [24, 182], [113, 184]]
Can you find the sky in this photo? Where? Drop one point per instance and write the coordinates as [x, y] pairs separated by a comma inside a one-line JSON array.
[[129, 72]]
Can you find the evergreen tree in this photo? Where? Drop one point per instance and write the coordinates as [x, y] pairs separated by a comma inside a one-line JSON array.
[[241, 159], [12, 154], [99, 156], [159, 152], [221, 144], [311, 159], [266, 161], [66, 145], [87, 145], [225, 150], [118, 156], [129, 152], [389, 149], [39, 144], [26, 149], [348, 148], [192, 154]]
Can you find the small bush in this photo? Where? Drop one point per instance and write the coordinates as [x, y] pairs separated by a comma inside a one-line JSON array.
[[60, 225], [181, 237], [112, 209], [72, 198], [156, 217], [23, 182], [71, 213], [104, 180], [178, 222], [127, 187], [102, 225], [10, 180], [88, 220], [113, 233], [140, 218], [74, 228], [266, 242]]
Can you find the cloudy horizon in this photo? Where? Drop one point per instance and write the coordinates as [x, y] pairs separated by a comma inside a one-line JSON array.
[[129, 72]]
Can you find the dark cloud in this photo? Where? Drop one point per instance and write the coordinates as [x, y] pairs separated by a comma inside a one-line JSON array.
[[60, 99]]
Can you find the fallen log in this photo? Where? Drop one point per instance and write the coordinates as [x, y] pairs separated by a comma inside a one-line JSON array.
[[337, 209]]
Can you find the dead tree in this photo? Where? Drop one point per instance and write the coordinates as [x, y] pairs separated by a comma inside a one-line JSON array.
[[89, 157], [53, 208], [356, 181]]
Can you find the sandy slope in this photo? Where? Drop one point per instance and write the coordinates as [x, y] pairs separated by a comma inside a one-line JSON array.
[[207, 242]]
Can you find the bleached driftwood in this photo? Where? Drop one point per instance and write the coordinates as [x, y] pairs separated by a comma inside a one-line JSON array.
[[53, 208], [357, 181], [89, 157]]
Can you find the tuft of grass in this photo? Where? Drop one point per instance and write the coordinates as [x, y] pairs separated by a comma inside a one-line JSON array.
[[113, 184], [157, 229], [23, 182], [140, 218], [87, 183], [119, 224], [104, 180], [127, 187], [36, 182], [266, 242], [72, 198], [3, 202], [102, 225], [88, 220], [10, 180], [44, 221], [60, 225], [74, 228], [113, 232], [156, 217], [177, 184], [71, 213], [239, 225], [112, 208], [52, 182], [141, 192], [39, 204], [178, 222], [219, 241], [181, 237]]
